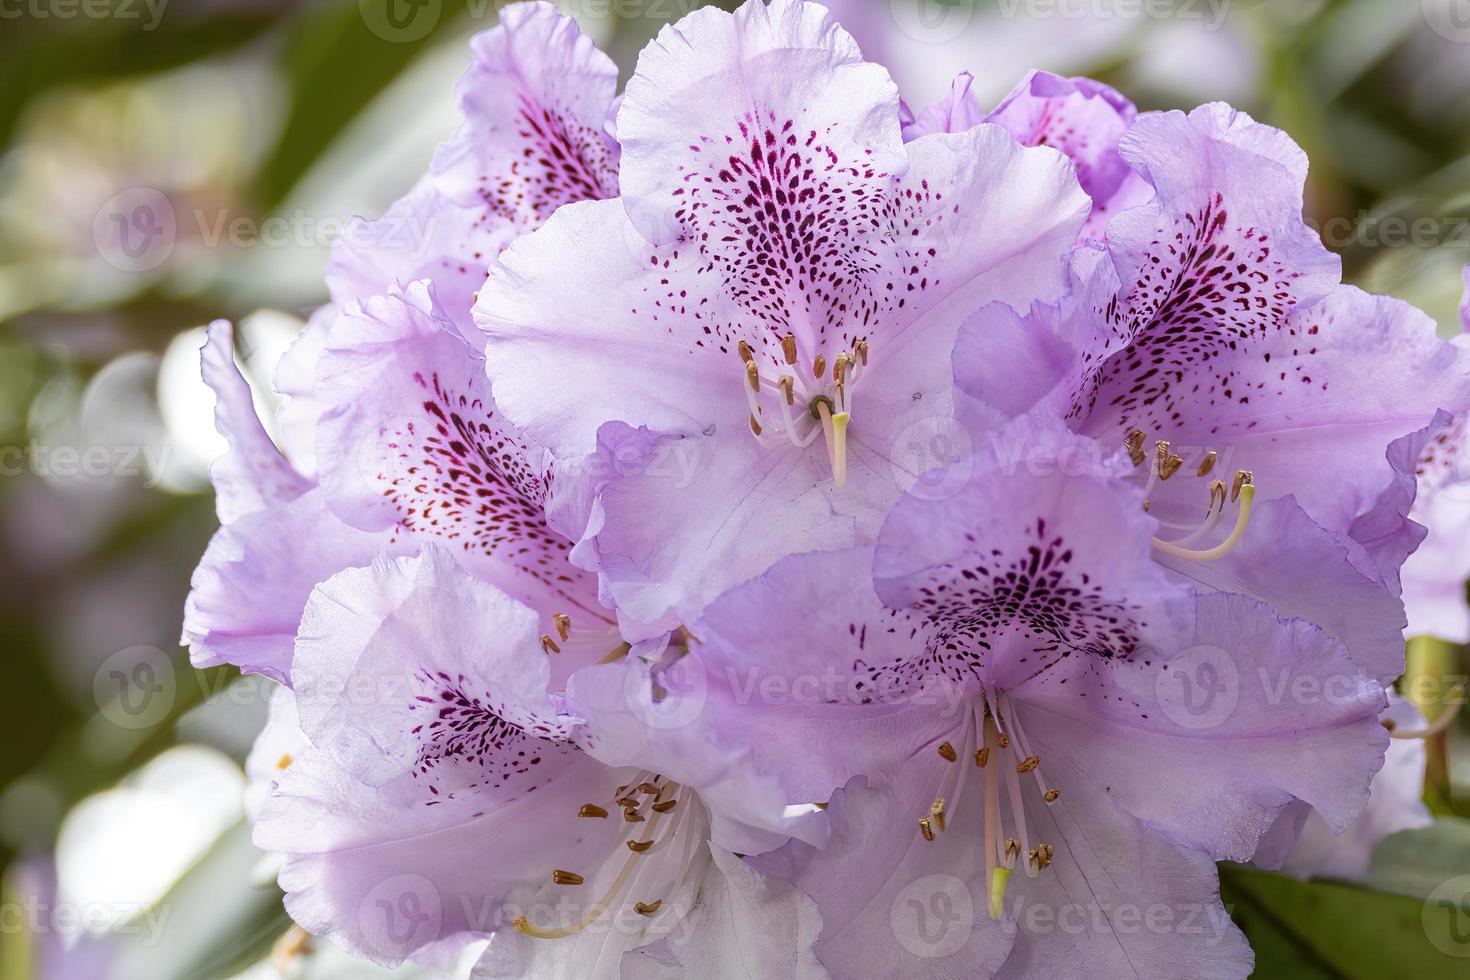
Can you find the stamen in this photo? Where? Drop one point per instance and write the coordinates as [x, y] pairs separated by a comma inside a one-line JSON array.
[[788, 347], [592, 810], [563, 624], [1435, 727], [819, 367], [560, 877], [926, 829], [947, 752], [745, 353], [639, 846], [643, 909], [548, 645], [665, 806], [982, 756], [862, 352], [1207, 464], [752, 375], [787, 384], [1247, 493], [936, 810]]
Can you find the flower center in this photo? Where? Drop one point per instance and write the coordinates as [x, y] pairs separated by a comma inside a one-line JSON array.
[[1163, 464], [808, 403], [993, 743], [647, 874]]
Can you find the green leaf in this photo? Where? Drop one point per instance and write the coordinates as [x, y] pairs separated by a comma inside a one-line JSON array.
[[1416, 862], [1308, 929]]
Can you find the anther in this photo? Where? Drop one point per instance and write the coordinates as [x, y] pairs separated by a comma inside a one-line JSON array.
[[644, 909], [752, 375], [936, 811], [982, 756], [862, 352], [1217, 496], [755, 427], [840, 366], [592, 810], [788, 347], [745, 352], [1133, 443], [1242, 480], [563, 624], [1013, 851], [819, 367], [548, 645], [1051, 795], [787, 384], [632, 816], [648, 788], [1168, 462], [925, 829], [665, 806], [1003, 740], [639, 846], [560, 877], [1207, 464], [947, 752], [1029, 763]]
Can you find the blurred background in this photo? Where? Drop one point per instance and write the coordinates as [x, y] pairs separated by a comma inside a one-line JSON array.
[[167, 162]]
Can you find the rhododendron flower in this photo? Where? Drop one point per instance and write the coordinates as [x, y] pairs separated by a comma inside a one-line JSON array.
[[1015, 677], [388, 407], [778, 286], [1212, 341], [1434, 576], [442, 776]]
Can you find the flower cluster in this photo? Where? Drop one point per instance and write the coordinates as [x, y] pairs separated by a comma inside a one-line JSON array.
[[753, 529]]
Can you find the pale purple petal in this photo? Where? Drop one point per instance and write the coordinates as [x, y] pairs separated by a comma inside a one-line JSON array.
[[440, 776], [536, 100], [253, 474], [1397, 803], [955, 113], [1306, 572], [411, 442], [1207, 743], [1085, 120]]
